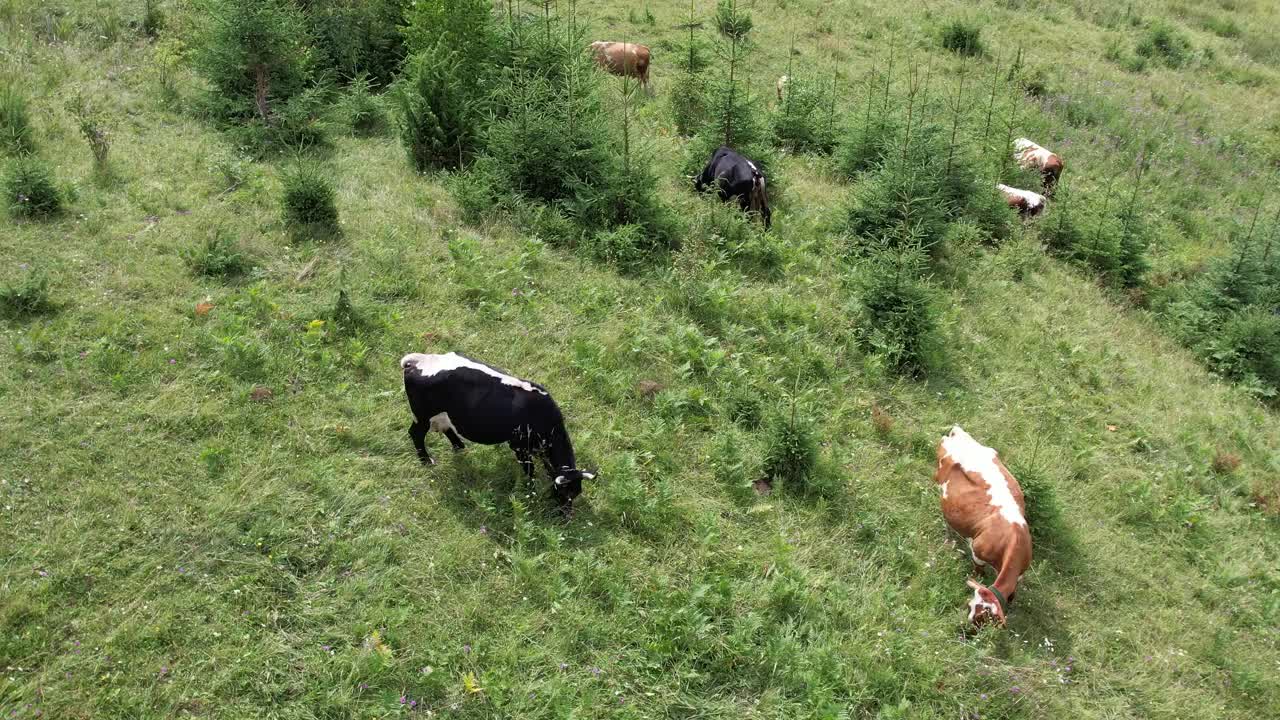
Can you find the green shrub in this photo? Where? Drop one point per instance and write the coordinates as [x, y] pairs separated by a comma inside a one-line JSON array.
[[29, 295], [963, 37], [16, 134], [92, 122], [358, 38], [740, 240], [867, 142], [29, 189], [360, 110], [437, 115], [153, 18], [256, 56], [626, 246], [805, 120], [218, 256], [732, 22], [1165, 43], [898, 310], [479, 191], [688, 102], [300, 123], [791, 453], [309, 198], [1114, 246]]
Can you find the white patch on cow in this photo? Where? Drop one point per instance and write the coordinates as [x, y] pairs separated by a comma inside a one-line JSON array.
[[974, 457], [440, 423], [1028, 154], [944, 489], [429, 365], [1034, 200]]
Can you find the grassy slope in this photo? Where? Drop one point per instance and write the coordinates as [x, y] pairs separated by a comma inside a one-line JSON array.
[[171, 547]]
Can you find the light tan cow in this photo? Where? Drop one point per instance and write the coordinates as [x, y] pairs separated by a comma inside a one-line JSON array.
[[982, 501], [626, 59], [1031, 156], [782, 86]]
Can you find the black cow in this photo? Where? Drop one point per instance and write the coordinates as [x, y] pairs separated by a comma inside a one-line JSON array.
[[466, 399], [737, 177]]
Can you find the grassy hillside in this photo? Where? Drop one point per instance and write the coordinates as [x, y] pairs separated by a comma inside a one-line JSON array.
[[209, 506]]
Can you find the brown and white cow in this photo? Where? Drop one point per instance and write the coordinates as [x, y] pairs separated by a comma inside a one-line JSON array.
[[982, 501], [1027, 203], [626, 59], [1031, 156], [781, 86]]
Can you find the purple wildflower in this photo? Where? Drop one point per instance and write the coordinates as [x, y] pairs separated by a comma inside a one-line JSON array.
[[1015, 689], [364, 686], [172, 361], [403, 700], [484, 530], [466, 649], [325, 648], [983, 696], [596, 671]]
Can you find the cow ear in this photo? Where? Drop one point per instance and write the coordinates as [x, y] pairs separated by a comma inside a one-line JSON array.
[[973, 584], [588, 475], [559, 481]]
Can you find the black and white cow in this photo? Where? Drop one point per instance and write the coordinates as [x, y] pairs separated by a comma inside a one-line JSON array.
[[737, 177], [466, 399]]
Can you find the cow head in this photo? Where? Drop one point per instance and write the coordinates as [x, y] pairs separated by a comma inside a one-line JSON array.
[[759, 199], [568, 485], [985, 606]]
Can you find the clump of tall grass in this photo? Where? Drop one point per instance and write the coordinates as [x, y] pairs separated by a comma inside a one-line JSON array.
[[28, 295], [360, 109], [17, 137]]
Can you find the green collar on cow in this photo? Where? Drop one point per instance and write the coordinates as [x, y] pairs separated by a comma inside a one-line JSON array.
[[999, 598]]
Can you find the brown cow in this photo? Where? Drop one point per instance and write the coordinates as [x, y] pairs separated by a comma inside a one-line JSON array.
[[982, 501], [1027, 203], [626, 59], [1031, 156]]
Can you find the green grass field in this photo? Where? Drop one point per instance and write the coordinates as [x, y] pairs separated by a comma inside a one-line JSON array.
[[209, 505]]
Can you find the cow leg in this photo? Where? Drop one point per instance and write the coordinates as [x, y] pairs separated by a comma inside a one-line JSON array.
[[455, 440], [524, 457], [418, 433]]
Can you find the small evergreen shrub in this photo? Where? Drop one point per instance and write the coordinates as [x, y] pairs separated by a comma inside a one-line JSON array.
[[963, 37], [898, 310], [29, 189], [309, 198], [731, 22], [437, 123], [805, 120], [791, 453], [218, 256], [16, 134], [479, 190], [360, 110], [688, 102], [153, 18], [1165, 43], [867, 143], [626, 247], [358, 38], [29, 295], [256, 56]]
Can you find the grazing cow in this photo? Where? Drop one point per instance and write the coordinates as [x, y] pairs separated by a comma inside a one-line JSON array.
[[1031, 156], [1027, 203], [983, 502], [465, 399], [737, 177], [782, 86], [627, 59]]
